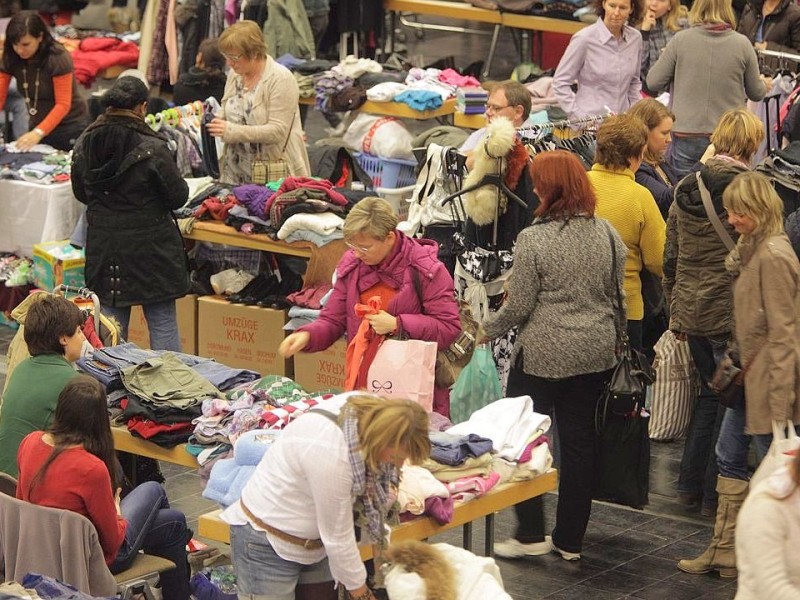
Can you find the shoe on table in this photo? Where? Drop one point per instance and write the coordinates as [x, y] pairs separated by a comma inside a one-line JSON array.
[[512, 548]]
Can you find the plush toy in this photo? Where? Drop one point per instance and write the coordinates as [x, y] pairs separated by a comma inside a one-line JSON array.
[[499, 141], [429, 564]]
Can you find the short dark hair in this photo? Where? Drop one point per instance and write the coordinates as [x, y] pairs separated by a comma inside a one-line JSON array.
[[516, 95], [28, 22], [619, 139], [47, 320], [212, 57], [635, 16], [127, 92]]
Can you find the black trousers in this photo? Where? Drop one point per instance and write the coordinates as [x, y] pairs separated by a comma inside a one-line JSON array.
[[571, 402], [65, 135]]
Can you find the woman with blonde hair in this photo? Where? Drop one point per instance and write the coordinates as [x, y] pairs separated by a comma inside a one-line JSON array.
[[698, 284], [767, 325], [661, 20], [710, 68], [293, 530], [259, 116], [415, 288], [698, 291], [655, 173]]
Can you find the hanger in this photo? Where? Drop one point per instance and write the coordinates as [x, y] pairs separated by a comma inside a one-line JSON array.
[[495, 179]]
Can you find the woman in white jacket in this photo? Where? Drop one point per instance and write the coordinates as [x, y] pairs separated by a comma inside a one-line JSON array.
[[768, 538]]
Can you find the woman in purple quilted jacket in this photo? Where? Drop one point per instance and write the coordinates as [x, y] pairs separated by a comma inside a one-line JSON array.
[[414, 286]]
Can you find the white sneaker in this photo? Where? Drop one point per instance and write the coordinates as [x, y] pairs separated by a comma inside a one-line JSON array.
[[512, 548], [564, 554]]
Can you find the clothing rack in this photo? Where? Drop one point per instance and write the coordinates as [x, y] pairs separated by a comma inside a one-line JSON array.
[[538, 130], [783, 55], [173, 116]]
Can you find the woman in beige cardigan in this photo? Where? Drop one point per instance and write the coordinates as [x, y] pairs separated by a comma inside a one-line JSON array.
[[259, 117]]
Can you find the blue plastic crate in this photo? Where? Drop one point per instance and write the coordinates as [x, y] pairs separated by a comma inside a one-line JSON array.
[[388, 172]]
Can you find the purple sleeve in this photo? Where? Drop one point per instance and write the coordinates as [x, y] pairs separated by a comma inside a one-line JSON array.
[[440, 321], [332, 321]]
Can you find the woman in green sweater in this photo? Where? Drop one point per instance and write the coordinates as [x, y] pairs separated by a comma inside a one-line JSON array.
[[54, 338]]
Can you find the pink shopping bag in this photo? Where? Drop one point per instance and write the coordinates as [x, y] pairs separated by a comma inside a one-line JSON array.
[[404, 369]]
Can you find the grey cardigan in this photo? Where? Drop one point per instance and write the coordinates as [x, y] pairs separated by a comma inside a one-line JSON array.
[[562, 297], [710, 72]]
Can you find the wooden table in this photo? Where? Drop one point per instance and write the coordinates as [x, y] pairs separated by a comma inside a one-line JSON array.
[[219, 233], [469, 121], [421, 528], [124, 441]]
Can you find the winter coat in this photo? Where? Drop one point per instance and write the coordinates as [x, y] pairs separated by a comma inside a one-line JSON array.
[[647, 176], [766, 310], [781, 28], [125, 174], [696, 283], [435, 319], [287, 30], [199, 84]]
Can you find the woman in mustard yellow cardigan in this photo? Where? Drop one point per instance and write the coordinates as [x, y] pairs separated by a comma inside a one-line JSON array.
[[629, 207]]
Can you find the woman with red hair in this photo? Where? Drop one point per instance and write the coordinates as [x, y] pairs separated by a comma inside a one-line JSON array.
[[563, 297]]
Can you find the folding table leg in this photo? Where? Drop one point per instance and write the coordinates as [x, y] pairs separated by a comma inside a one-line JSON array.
[[466, 532], [492, 48], [488, 536]]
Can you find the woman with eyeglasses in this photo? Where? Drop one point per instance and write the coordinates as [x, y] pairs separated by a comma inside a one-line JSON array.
[[413, 284], [259, 117]]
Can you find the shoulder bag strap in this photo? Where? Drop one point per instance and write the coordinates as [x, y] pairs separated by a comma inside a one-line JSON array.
[[620, 320], [705, 195]]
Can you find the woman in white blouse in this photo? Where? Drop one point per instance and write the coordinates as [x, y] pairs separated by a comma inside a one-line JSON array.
[[293, 532]]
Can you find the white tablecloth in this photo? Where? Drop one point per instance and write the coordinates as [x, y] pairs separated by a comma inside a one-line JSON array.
[[31, 213]]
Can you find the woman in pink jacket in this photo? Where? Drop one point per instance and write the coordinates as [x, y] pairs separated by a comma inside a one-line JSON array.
[[413, 285]]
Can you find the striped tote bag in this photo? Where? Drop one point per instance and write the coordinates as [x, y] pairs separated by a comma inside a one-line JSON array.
[[674, 391]]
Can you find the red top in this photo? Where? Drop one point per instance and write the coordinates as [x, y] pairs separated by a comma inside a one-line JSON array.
[[76, 481]]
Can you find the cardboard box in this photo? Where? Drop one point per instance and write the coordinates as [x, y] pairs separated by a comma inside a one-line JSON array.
[[55, 263], [187, 325], [245, 337], [324, 370]]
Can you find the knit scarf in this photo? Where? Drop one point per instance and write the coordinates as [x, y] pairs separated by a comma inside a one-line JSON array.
[[374, 494]]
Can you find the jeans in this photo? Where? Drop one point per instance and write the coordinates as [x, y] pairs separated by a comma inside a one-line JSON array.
[[573, 400], [162, 323], [698, 470], [158, 530], [263, 575], [734, 444], [684, 152]]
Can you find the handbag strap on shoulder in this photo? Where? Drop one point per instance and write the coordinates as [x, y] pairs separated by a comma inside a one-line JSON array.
[[705, 195], [622, 334]]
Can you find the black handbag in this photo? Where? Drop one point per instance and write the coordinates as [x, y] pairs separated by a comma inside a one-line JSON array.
[[627, 388], [623, 461]]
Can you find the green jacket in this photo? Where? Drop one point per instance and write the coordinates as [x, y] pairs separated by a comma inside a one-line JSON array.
[[29, 402], [286, 30]]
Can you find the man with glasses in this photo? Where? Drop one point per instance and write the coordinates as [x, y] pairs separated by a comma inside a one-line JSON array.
[[509, 99]]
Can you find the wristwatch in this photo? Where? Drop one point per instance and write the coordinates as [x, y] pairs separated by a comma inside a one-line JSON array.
[[38, 132]]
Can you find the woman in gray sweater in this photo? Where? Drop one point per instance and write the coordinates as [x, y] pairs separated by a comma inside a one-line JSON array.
[[562, 296], [708, 68]]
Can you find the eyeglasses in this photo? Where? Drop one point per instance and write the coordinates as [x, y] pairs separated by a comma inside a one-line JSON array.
[[359, 249], [495, 108], [232, 58]]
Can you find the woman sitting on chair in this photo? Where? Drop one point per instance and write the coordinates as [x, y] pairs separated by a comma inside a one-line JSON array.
[[72, 466]]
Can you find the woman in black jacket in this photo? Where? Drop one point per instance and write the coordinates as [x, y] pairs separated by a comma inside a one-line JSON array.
[[772, 25], [125, 174], [205, 79]]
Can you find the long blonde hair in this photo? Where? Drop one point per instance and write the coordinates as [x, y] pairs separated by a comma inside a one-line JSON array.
[[752, 194]]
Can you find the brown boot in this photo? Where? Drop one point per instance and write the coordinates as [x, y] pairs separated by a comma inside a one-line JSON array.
[[720, 555]]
